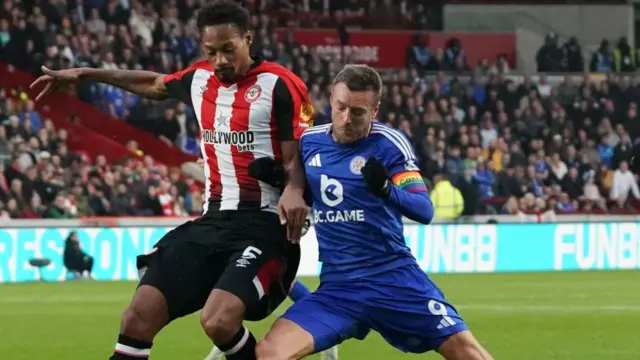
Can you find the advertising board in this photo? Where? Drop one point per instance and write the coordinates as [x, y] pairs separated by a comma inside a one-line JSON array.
[[439, 248]]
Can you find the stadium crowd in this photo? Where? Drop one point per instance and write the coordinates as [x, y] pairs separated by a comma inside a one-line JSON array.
[[509, 146]]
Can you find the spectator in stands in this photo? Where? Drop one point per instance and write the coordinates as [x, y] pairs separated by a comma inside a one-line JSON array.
[[624, 56], [487, 125], [419, 56], [77, 262], [448, 202], [602, 60], [574, 59], [59, 209], [624, 182], [550, 56], [470, 190]]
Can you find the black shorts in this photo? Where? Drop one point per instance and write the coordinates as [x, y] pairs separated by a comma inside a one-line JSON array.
[[243, 252]]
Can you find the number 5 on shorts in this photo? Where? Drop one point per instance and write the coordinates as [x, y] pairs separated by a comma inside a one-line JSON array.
[[248, 254]]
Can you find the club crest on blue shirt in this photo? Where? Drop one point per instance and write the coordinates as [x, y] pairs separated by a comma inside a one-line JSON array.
[[356, 165], [253, 93]]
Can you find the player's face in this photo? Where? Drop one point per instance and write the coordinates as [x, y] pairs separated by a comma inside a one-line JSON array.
[[227, 49], [352, 113]]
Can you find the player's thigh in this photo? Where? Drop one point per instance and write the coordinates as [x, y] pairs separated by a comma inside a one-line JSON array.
[[463, 346], [415, 317], [180, 270], [326, 317], [261, 271], [260, 275]]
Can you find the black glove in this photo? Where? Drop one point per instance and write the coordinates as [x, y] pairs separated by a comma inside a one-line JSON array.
[[376, 177], [267, 170]]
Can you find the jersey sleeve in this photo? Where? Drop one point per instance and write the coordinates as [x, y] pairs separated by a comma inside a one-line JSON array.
[[292, 108], [402, 164], [179, 83]]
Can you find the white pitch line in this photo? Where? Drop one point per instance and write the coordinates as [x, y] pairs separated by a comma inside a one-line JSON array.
[[112, 298]]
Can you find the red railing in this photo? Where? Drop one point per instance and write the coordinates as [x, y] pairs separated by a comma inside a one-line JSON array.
[[97, 131]]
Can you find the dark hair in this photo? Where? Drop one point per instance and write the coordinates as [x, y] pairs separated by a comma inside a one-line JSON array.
[[222, 12], [360, 78]]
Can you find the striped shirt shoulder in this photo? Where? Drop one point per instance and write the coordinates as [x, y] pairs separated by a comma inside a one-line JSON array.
[[316, 130], [396, 138]]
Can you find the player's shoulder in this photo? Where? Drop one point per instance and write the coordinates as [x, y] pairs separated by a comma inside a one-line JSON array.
[[276, 69], [316, 133], [284, 75], [392, 139], [188, 73], [200, 65]]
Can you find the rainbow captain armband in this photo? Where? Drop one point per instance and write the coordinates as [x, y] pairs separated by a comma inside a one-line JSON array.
[[410, 181]]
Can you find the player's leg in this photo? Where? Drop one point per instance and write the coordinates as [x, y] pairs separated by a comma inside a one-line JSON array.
[[255, 281], [143, 319], [298, 291], [316, 323], [160, 295], [417, 318], [285, 341], [463, 346]]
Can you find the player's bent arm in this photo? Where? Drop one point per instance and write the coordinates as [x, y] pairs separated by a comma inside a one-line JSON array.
[[293, 114], [409, 195], [148, 84], [293, 169]]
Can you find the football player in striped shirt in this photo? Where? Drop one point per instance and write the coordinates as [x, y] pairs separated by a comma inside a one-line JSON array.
[[237, 261]]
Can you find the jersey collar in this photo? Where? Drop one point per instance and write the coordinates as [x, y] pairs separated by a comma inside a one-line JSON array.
[[330, 132]]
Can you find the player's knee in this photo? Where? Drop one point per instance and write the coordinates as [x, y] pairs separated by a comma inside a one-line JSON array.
[[220, 327], [136, 323], [222, 320], [146, 315]]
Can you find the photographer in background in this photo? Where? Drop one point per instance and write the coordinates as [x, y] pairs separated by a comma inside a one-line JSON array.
[[75, 260]]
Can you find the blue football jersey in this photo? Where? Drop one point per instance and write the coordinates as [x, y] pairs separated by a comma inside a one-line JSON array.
[[358, 233]]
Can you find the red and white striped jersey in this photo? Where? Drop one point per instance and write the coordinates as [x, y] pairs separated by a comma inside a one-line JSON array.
[[241, 122]]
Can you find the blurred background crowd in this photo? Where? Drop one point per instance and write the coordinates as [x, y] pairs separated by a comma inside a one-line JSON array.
[[510, 144]]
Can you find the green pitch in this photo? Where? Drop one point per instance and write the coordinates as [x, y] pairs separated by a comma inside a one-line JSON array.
[[540, 316]]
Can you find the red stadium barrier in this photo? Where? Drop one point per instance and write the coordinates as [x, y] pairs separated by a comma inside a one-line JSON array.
[[388, 49], [98, 132]]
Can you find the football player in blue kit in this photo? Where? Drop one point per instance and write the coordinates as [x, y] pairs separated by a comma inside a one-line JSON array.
[[363, 179]]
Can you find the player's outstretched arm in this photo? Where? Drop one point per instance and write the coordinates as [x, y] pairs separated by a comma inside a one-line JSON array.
[[147, 84]]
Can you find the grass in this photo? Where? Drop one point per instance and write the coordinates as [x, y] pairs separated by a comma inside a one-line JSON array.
[[542, 316]]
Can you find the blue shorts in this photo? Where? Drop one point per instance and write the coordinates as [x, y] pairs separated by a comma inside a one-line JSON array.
[[403, 305]]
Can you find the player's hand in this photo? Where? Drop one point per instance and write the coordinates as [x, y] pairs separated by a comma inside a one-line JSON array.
[[200, 163], [376, 177], [293, 213], [54, 80]]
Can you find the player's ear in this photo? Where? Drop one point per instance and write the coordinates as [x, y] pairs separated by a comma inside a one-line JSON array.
[[375, 110], [248, 37]]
